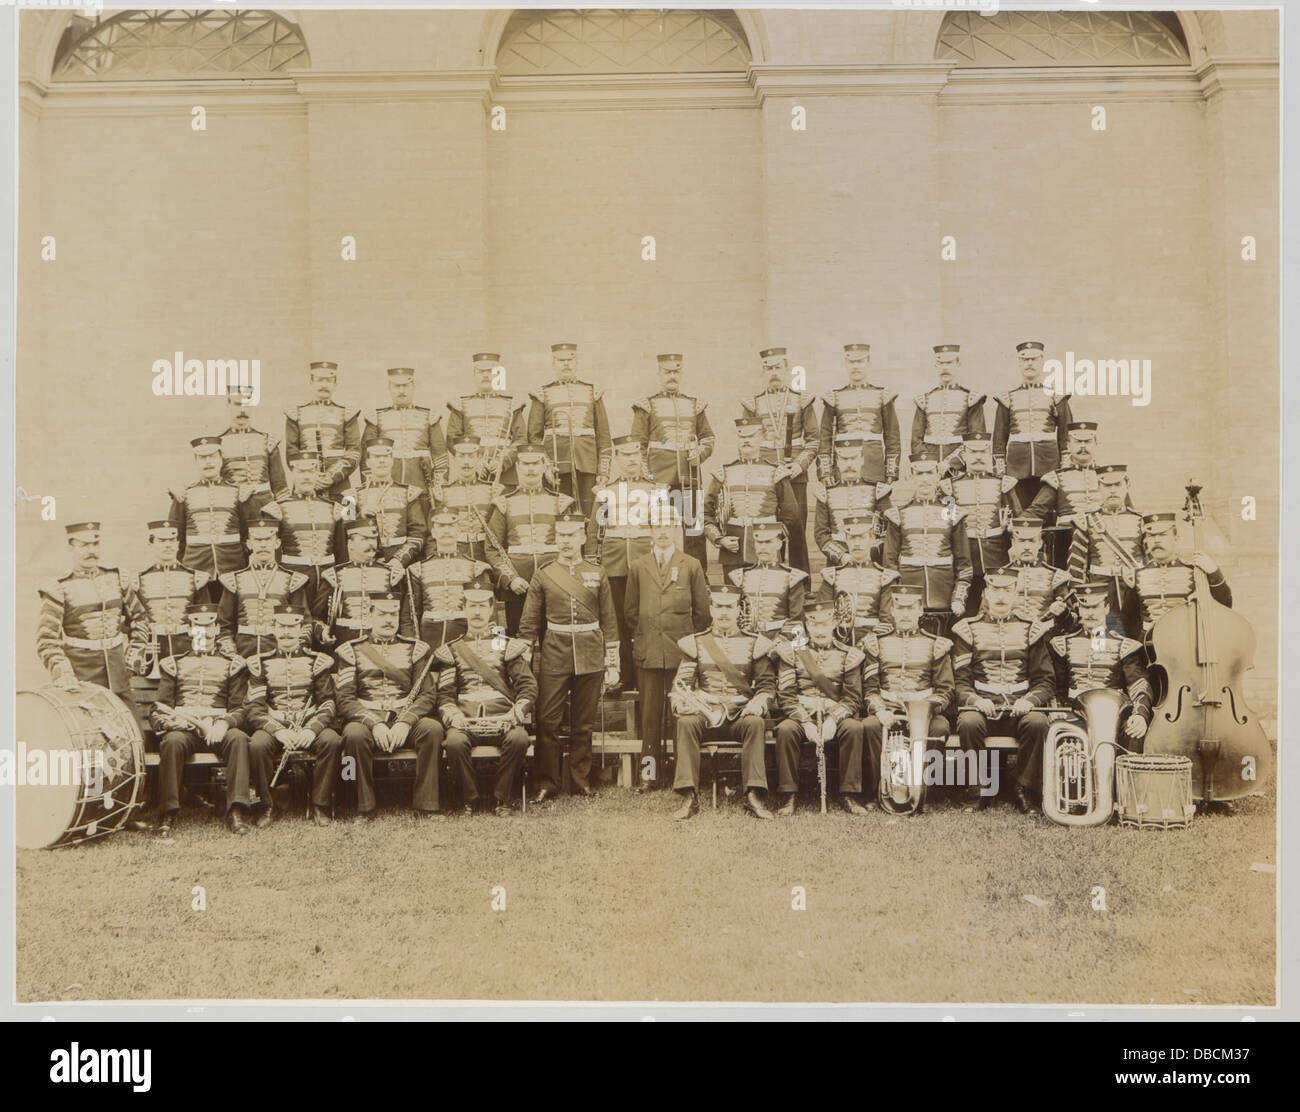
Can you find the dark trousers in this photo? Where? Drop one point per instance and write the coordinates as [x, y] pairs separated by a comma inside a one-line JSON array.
[[873, 736], [585, 495], [693, 544], [552, 692], [177, 746], [656, 719], [424, 738], [797, 549], [626, 667], [458, 746], [692, 729], [790, 740], [1030, 730], [264, 751]]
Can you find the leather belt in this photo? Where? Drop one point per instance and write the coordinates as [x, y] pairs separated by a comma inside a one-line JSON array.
[[442, 615], [859, 436], [90, 643], [581, 627], [308, 561], [408, 453], [351, 623], [1003, 688], [193, 539], [1030, 437], [202, 712], [924, 561], [253, 631], [583, 431], [162, 629], [931, 439], [984, 534], [533, 550], [393, 540], [668, 446], [382, 708]]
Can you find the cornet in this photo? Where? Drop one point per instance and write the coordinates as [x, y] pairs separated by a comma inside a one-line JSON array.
[[902, 757], [1079, 764]]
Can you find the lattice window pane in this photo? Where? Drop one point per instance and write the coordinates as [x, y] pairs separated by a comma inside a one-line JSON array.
[[1062, 39], [669, 40]]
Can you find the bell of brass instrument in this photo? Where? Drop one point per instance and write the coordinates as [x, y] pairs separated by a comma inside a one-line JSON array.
[[686, 700], [1079, 764], [902, 759]]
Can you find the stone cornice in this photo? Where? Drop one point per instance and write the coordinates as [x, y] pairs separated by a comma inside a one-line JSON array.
[[861, 79], [228, 97], [396, 86], [1069, 84], [624, 91], [1218, 75]]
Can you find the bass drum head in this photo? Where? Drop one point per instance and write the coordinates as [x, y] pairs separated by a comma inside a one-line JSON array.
[[44, 811]]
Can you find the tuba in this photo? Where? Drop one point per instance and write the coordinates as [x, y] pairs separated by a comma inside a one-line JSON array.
[[902, 758], [1079, 763]]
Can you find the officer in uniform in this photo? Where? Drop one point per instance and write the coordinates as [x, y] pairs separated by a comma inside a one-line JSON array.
[[1163, 580], [1029, 430], [569, 612], [201, 698], [819, 689], [722, 689], [988, 501], [291, 706], [311, 524], [568, 419], [437, 585], [790, 441], [325, 430], [926, 543], [400, 511], [1071, 492], [492, 420], [385, 703], [210, 516], [774, 593], [850, 494], [947, 412], [165, 589], [468, 496], [1004, 671], [91, 623], [486, 692], [354, 583], [859, 587], [250, 459], [418, 448], [748, 491], [246, 612], [864, 414], [673, 431], [1109, 546], [1042, 591]]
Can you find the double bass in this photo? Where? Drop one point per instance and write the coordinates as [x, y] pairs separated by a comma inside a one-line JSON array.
[[1202, 648]]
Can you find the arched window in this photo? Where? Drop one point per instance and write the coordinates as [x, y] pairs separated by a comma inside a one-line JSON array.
[[136, 45], [1063, 39], [670, 40]]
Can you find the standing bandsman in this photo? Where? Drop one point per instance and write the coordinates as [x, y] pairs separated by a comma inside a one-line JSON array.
[[246, 612], [250, 460], [859, 587], [417, 446], [746, 493], [491, 419], [988, 501], [569, 612], [1029, 431], [819, 689], [399, 510], [1071, 492], [947, 412], [723, 688], [673, 431], [773, 593], [468, 496], [201, 698], [486, 692], [1004, 671], [436, 585], [1108, 546], [864, 414], [521, 531], [165, 589], [925, 542], [852, 493], [353, 584], [385, 700], [1164, 581], [291, 706], [790, 440], [325, 430], [91, 623], [210, 516], [1041, 591], [568, 419], [311, 524]]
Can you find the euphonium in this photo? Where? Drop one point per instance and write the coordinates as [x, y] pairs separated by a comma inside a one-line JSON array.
[[1079, 764], [686, 700], [902, 759]]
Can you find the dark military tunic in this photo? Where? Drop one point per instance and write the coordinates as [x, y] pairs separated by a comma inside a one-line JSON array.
[[212, 521], [1161, 587], [1038, 586], [802, 701], [926, 543], [1086, 659], [472, 504], [859, 594], [350, 586], [246, 616], [774, 593], [419, 447], [862, 413], [943, 416], [497, 423], [988, 504], [1029, 431], [568, 420], [399, 511], [666, 425], [331, 433], [744, 495], [845, 500], [165, 593], [435, 595], [88, 624], [250, 460]]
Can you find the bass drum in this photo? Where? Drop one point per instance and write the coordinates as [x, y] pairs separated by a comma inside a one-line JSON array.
[[93, 778]]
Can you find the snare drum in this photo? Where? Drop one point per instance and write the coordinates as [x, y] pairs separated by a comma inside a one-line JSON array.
[[1153, 791], [94, 774]]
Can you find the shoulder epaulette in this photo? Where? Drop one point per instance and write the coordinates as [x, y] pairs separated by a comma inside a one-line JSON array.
[[962, 628], [1004, 400], [942, 645], [853, 657], [687, 645], [321, 663], [168, 665], [762, 645], [419, 649], [229, 580], [254, 665]]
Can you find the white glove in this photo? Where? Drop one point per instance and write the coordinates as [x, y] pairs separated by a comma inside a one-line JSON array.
[[985, 707], [519, 585], [214, 731], [886, 717], [1135, 727], [829, 729], [1021, 706], [397, 734]]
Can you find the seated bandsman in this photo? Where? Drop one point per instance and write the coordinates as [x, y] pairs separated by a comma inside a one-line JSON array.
[[900, 665], [1109, 546], [819, 691], [250, 459], [417, 447], [926, 543], [1042, 591], [91, 623], [486, 693], [468, 497], [1071, 492], [723, 687], [1003, 671], [201, 698], [354, 583], [1029, 426], [852, 494], [490, 419], [988, 503], [291, 708], [165, 589], [399, 510], [311, 524], [863, 414], [210, 516], [436, 586], [858, 587], [569, 613], [1095, 654], [246, 613], [325, 430], [385, 702], [945, 413], [521, 531], [774, 593], [1164, 580]]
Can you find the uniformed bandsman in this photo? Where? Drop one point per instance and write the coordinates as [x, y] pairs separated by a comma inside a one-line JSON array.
[[210, 516], [1073, 490], [1164, 580], [250, 459], [326, 430], [568, 419], [1029, 429], [291, 706], [947, 412], [246, 612], [385, 699], [437, 584], [988, 501], [418, 447], [819, 691], [468, 496], [723, 688], [311, 524], [1041, 591], [1004, 671], [852, 493], [400, 511], [569, 612], [790, 440], [859, 587], [165, 589], [492, 419], [91, 623], [774, 593], [1109, 546], [354, 583], [862, 413], [201, 697], [673, 431], [486, 693]]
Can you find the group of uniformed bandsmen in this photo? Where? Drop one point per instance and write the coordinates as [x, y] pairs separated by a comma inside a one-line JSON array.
[[410, 582]]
